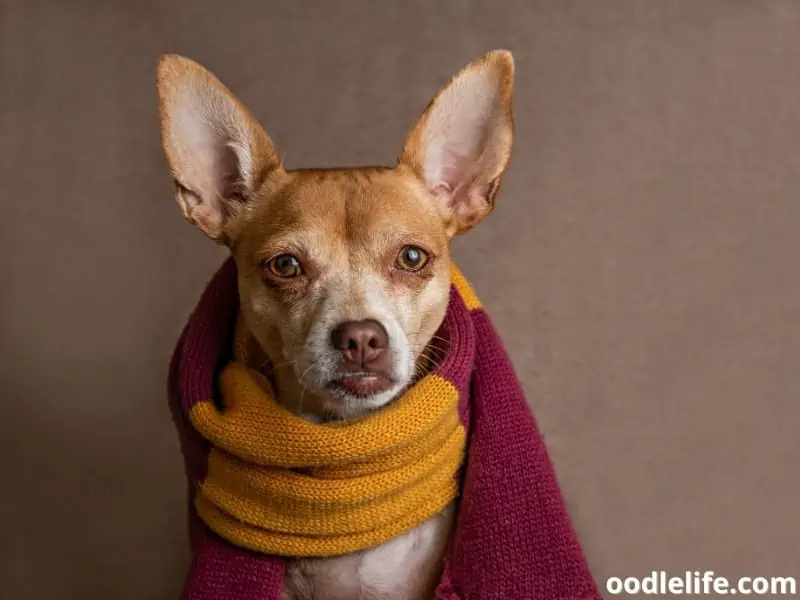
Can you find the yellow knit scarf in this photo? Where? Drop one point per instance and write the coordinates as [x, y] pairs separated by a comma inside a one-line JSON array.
[[280, 485]]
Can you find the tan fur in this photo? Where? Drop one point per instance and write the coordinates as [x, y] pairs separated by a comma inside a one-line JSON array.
[[345, 228]]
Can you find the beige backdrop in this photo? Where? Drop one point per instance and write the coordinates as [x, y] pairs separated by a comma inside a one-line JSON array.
[[641, 264]]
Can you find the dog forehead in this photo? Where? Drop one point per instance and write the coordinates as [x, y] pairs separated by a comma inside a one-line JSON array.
[[349, 204]]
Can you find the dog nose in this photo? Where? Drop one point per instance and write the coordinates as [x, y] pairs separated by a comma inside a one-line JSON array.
[[360, 342]]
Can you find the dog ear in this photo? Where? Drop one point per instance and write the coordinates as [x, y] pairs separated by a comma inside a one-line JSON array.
[[217, 153], [461, 144]]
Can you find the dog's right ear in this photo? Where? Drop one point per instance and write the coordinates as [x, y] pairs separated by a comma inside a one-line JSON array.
[[218, 154]]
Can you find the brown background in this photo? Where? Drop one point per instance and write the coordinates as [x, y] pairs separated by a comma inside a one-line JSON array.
[[641, 264]]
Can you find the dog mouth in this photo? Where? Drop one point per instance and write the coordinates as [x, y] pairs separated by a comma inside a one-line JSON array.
[[361, 384]]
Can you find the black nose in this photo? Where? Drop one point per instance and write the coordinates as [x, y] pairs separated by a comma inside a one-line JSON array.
[[360, 342]]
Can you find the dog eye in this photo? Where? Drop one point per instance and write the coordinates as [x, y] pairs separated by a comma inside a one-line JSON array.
[[411, 258], [285, 266]]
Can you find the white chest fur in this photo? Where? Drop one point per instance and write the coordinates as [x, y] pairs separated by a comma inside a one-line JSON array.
[[407, 567]]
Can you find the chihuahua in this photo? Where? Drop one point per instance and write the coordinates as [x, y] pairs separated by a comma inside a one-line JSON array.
[[343, 273]]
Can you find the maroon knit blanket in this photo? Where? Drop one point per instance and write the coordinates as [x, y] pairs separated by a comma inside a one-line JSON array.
[[513, 538]]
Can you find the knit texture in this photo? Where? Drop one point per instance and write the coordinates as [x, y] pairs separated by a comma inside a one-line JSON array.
[[513, 535], [281, 485]]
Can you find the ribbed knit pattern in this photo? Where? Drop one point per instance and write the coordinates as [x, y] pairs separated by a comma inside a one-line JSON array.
[[281, 485], [513, 536]]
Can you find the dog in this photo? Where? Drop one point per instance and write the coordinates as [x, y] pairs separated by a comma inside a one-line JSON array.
[[344, 273]]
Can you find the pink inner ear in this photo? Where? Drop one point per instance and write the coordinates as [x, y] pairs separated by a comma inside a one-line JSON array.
[[462, 143], [453, 178], [443, 189], [229, 171], [448, 168], [212, 139], [454, 201]]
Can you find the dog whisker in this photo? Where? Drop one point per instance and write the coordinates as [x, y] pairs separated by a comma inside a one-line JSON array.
[[303, 386]]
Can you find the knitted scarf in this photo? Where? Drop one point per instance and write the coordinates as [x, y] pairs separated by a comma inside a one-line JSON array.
[[359, 484], [513, 536]]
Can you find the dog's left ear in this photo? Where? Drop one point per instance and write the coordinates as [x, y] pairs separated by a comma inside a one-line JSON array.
[[461, 144]]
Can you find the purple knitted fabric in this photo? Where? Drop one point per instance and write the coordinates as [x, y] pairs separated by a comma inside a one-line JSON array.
[[513, 537]]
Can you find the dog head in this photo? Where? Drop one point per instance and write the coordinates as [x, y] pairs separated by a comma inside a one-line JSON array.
[[344, 274]]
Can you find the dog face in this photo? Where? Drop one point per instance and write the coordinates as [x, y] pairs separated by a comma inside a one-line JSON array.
[[348, 294], [344, 274]]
